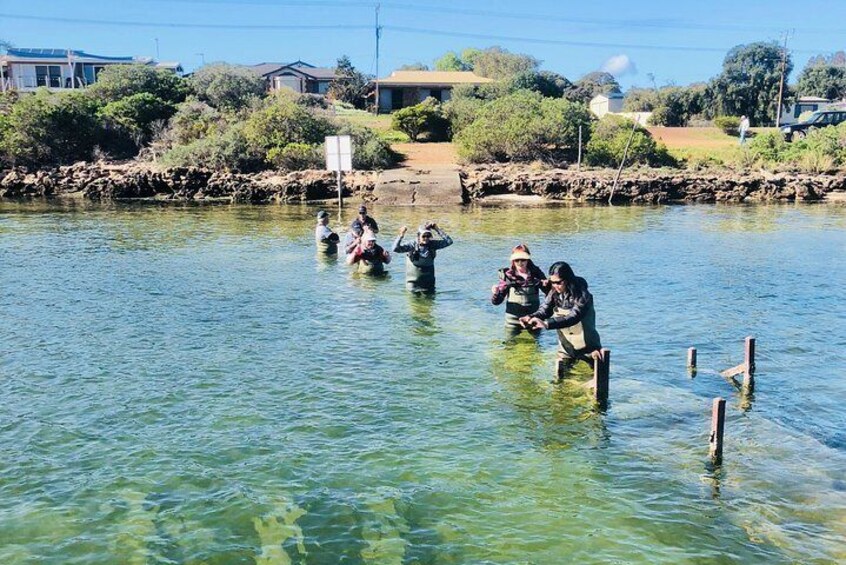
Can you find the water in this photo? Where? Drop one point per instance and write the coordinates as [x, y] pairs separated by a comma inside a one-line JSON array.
[[192, 385]]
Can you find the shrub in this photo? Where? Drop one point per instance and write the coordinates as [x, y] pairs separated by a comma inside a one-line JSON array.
[[282, 121], [226, 151], [730, 125], [52, 128], [136, 113], [194, 120], [460, 113], [225, 86], [120, 81], [425, 117], [523, 126], [296, 157], [816, 162], [770, 146], [610, 137], [370, 151]]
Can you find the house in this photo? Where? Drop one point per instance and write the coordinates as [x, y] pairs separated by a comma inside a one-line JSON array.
[[790, 114], [612, 103], [299, 76], [407, 88], [28, 69]]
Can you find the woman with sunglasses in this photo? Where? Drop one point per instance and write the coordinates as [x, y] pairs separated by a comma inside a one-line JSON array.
[[519, 286], [420, 256], [568, 308]]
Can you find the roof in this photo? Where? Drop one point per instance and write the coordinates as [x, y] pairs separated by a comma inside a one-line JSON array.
[[432, 78], [811, 99], [320, 73], [61, 54]]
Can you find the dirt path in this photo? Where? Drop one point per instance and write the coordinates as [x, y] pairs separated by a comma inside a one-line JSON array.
[[421, 155]]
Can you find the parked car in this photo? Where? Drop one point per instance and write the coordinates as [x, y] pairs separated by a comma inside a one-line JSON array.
[[820, 119]]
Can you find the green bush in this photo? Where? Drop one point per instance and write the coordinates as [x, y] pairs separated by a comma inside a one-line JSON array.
[[460, 112], [730, 125], [296, 157], [120, 81], [370, 151], [227, 151], [770, 146], [524, 126], [194, 120], [136, 113], [52, 128], [424, 118], [229, 87], [282, 121], [610, 137]]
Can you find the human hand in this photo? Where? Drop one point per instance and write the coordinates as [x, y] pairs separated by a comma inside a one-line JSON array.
[[597, 355], [524, 321], [494, 289], [538, 324], [403, 230]]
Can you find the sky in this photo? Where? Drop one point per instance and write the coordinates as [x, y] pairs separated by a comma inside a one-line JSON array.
[[644, 43]]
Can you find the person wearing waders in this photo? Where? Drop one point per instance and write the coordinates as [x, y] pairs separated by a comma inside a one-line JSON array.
[[326, 239], [420, 256], [352, 240], [370, 257], [364, 222], [520, 287], [568, 308]]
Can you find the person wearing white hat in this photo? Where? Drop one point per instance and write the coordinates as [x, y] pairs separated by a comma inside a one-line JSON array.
[[519, 287], [326, 239], [420, 256], [369, 255]]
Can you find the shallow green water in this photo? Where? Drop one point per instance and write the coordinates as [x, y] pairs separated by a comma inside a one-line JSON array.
[[192, 385]]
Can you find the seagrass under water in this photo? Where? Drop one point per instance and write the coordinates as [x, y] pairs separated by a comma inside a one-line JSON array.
[[193, 385]]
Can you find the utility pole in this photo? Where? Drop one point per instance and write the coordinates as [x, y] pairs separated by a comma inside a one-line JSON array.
[[156, 39], [378, 36], [781, 82]]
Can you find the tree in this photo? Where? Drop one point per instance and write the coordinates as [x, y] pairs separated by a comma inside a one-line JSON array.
[[641, 100], [597, 82], [414, 67], [826, 81], [136, 114], [282, 121], [750, 80], [836, 59], [119, 81], [450, 61], [227, 87], [52, 128], [498, 63], [547, 83], [608, 142], [425, 117], [349, 85]]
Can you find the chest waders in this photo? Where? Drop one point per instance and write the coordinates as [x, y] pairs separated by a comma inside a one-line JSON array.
[[579, 340], [372, 268], [521, 301], [420, 273], [327, 247]]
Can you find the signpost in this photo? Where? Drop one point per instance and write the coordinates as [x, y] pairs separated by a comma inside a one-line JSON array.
[[339, 159]]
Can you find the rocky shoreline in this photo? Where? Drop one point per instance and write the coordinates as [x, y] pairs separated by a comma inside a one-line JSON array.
[[102, 182]]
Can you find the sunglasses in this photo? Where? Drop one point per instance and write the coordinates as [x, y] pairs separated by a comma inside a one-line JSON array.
[[556, 283], [521, 260], [425, 236]]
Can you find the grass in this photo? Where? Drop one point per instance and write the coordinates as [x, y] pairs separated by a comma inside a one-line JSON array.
[[702, 145], [381, 123]]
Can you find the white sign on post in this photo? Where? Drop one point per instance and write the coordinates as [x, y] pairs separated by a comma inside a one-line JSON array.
[[338, 153]]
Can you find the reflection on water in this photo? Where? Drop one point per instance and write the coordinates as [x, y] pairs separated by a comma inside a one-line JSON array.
[[192, 384]]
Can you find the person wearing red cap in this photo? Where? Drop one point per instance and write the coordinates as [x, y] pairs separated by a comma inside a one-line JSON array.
[[519, 287], [370, 256]]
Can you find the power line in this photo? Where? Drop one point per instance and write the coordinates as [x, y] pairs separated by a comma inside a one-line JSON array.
[[126, 23]]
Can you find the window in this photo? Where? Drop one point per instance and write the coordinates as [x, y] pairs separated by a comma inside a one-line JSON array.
[[437, 94], [48, 75]]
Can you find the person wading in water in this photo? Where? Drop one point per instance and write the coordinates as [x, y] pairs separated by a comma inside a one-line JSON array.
[[519, 286], [568, 308], [370, 256], [420, 256], [326, 239]]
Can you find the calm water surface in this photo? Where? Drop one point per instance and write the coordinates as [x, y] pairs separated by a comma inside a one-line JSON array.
[[193, 385]]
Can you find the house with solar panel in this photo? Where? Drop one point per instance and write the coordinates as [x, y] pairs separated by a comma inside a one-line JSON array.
[[28, 69], [407, 88], [299, 76]]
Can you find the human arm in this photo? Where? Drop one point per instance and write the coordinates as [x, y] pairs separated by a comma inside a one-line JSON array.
[[350, 244], [581, 303], [354, 256], [444, 241], [500, 290], [399, 246]]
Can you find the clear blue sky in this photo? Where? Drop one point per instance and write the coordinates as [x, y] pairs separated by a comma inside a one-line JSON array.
[[677, 41]]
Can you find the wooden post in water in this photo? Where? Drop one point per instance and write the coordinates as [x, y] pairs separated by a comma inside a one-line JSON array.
[[691, 359], [749, 365], [718, 425], [601, 371]]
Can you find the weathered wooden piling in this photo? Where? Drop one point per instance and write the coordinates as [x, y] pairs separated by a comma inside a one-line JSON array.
[[749, 365], [718, 424], [691, 359], [601, 372]]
